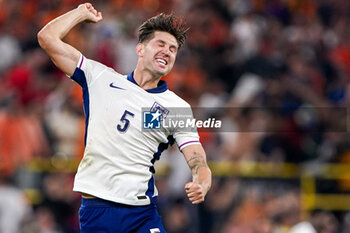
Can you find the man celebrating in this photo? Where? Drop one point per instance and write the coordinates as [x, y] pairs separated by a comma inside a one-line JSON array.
[[115, 175]]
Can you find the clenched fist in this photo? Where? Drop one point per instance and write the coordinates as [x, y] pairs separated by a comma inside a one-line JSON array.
[[89, 13], [195, 192]]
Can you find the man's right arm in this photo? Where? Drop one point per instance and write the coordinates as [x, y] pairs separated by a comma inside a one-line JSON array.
[[63, 55]]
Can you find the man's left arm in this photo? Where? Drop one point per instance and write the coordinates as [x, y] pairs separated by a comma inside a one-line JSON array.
[[201, 175]]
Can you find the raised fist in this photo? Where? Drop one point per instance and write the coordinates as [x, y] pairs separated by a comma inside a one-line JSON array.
[[90, 13]]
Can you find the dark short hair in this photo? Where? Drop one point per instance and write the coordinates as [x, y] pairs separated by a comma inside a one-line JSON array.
[[166, 23]]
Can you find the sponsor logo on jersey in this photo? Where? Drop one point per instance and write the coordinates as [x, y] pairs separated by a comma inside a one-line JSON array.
[[114, 86]]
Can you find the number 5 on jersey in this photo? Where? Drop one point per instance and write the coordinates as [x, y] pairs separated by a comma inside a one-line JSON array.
[[124, 121]]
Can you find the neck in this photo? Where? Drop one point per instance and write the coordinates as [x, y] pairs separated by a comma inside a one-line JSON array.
[[145, 79]]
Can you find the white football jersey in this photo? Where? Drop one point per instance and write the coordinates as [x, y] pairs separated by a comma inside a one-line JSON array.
[[119, 155]]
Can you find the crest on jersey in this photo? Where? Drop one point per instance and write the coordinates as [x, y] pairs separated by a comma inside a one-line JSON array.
[[152, 119], [156, 106]]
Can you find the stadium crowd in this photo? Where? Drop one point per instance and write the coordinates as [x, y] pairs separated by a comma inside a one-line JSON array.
[[282, 65]]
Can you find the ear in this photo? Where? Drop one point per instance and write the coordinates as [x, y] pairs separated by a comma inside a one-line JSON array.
[[139, 49]]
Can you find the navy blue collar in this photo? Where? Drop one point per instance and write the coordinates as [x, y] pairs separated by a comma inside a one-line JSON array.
[[162, 86]]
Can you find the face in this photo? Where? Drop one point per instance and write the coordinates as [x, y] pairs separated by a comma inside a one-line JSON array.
[[159, 53]]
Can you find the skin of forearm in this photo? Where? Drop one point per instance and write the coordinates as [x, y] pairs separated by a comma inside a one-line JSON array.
[[195, 162], [59, 27], [203, 177], [63, 55], [200, 170]]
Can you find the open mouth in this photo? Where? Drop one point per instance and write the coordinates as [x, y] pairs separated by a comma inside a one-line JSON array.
[[161, 61]]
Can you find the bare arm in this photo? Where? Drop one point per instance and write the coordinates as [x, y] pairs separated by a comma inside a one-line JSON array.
[[201, 174], [50, 37]]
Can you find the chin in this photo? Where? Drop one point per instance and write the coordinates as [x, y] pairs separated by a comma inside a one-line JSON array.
[[161, 73]]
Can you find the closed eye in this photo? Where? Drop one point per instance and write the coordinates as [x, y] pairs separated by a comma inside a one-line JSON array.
[[173, 49]]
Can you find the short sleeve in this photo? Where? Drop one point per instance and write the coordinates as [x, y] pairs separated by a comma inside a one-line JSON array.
[[87, 71], [187, 135], [184, 139]]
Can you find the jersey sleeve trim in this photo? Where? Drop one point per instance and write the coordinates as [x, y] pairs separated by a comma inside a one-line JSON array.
[[77, 77], [81, 61], [183, 145]]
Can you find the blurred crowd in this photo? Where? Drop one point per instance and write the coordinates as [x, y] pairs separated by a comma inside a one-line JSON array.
[[281, 65]]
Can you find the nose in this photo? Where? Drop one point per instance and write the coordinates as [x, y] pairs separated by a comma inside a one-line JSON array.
[[166, 51]]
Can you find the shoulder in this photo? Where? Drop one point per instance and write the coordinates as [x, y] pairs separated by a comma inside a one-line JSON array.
[[89, 65], [94, 65], [177, 100], [88, 71]]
